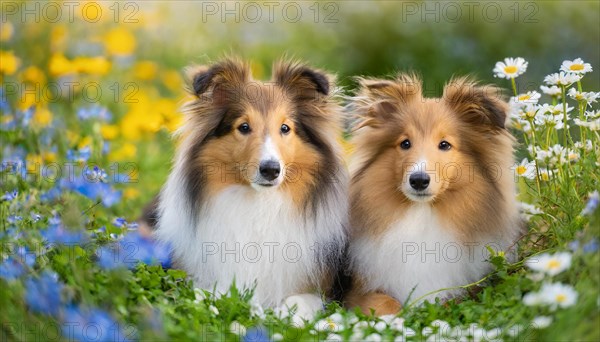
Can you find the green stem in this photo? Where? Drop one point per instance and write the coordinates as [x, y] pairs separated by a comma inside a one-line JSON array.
[[514, 86]]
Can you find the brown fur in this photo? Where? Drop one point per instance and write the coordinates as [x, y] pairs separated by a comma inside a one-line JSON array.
[[468, 194], [228, 96]]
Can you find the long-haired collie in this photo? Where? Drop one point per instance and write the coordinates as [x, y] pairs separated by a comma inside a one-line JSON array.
[[430, 188], [258, 192]]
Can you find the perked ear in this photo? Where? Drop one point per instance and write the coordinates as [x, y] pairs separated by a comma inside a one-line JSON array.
[[378, 99], [480, 106], [301, 81], [223, 75]]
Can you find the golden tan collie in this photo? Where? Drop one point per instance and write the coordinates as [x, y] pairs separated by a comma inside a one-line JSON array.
[[258, 191], [431, 187]]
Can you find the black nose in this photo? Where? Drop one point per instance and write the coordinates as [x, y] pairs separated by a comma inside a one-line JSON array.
[[270, 169], [419, 181]]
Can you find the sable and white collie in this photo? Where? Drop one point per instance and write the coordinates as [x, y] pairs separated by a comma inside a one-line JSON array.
[[258, 191], [431, 187]]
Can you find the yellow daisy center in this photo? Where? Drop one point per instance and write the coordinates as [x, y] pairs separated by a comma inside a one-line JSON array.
[[524, 97], [331, 325], [553, 264], [521, 170], [545, 176], [576, 67], [561, 298], [510, 69]]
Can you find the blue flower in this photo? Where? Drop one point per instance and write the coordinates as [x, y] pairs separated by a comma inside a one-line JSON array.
[[9, 196], [51, 194], [96, 174], [59, 235], [42, 294], [94, 112], [592, 204], [591, 246], [134, 248], [119, 222], [257, 334], [83, 155], [11, 269], [91, 325], [35, 216], [93, 190], [14, 219]]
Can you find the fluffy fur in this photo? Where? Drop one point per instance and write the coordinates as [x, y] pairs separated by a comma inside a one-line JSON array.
[[225, 220], [407, 243]]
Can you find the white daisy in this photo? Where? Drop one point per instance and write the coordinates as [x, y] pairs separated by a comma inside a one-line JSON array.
[[214, 310], [334, 338], [277, 337], [530, 97], [552, 90], [333, 323], [529, 210], [587, 97], [374, 337], [591, 125], [532, 299], [525, 169], [238, 329], [510, 68], [541, 322], [558, 295], [551, 264], [577, 66], [561, 79], [546, 175], [380, 326], [592, 114]]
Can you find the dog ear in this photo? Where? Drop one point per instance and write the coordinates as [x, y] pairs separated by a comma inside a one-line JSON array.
[[218, 78], [378, 100], [377, 114], [302, 82], [481, 106]]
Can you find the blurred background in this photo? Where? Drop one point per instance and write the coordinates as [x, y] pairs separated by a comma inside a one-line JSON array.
[[121, 61]]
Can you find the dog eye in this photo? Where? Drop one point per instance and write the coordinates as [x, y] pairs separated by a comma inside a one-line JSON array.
[[285, 129], [405, 144], [444, 145], [244, 128]]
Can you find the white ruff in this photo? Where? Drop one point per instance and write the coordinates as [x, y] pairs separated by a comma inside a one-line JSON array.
[[250, 236], [419, 253]]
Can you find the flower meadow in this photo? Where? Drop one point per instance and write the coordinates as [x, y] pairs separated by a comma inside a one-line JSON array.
[[74, 266]]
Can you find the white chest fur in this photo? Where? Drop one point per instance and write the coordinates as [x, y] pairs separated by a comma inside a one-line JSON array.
[[418, 255], [252, 237]]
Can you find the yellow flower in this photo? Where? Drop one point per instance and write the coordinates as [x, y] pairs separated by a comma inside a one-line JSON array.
[[33, 75], [109, 132], [119, 42], [9, 63], [72, 137], [59, 65], [92, 65], [145, 70], [6, 31], [85, 141], [42, 117], [27, 100], [49, 157], [131, 193], [34, 159], [172, 80], [126, 152]]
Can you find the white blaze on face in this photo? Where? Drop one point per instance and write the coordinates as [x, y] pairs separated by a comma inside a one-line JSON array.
[[269, 151]]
